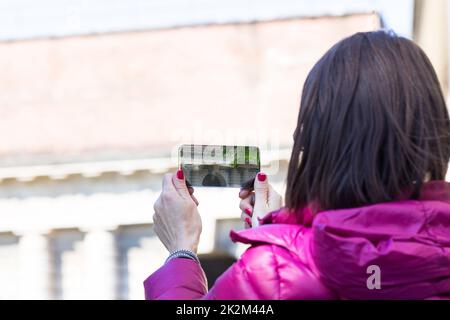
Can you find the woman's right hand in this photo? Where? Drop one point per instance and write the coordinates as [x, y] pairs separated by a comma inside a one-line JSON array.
[[258, 202]]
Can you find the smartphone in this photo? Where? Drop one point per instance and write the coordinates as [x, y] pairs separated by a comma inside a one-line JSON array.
[[219, 165]]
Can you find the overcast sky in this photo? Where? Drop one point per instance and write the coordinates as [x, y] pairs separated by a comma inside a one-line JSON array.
[[21, 19]]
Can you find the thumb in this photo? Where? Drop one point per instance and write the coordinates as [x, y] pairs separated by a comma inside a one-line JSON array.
[[261, 189], [274, 201], [180, 184]]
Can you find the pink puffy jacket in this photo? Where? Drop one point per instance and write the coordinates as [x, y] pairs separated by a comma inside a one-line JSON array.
[[327, 257]]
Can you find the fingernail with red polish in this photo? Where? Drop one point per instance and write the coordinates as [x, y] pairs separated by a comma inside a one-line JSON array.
[[262, 177], [249, 212], [180, 174], [248, 221]]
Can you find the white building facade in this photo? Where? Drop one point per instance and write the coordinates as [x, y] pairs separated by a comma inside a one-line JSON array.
[[88, 234]]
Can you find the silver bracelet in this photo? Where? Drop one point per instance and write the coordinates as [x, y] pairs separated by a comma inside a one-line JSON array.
[[183, 253]]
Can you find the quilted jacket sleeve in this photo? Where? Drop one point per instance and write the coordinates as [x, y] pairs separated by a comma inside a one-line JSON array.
[[249, 278], [178, 279], [264, 272]]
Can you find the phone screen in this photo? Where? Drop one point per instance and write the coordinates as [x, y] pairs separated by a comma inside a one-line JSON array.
[[218, 165]]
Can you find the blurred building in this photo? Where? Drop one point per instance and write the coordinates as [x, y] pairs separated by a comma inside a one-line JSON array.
[[431, 33], [91, 114]]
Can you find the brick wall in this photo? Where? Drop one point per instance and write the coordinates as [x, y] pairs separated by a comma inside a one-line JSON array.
[[146, 90]]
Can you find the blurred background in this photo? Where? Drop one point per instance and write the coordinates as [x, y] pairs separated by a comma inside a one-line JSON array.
[[96, 95]]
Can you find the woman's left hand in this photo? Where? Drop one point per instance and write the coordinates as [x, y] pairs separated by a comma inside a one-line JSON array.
[[176, 220]]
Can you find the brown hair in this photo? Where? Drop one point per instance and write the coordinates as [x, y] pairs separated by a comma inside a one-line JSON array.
[[372, 123]]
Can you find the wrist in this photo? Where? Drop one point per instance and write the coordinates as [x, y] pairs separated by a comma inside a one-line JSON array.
[[185, 245], [181, 248], [184, 254]]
